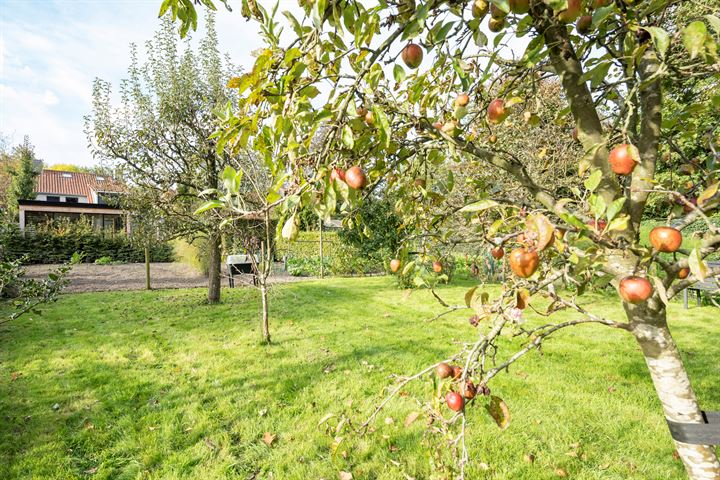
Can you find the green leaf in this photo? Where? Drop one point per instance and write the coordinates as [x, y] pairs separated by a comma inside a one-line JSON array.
[[694, 38], [714, 22], [210, 204], [707, 194], [697, 265], [660, 39], [382, 121], [290, 229], [479, 206], [593, 180], [409, 267], [618, 224], [660, 288], [615, 207], [469, 296], [347, 137], [499, 411], [399, 73]]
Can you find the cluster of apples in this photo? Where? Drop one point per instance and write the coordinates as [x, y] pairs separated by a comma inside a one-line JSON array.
[[573, 12], [454, 400], [354, 176], [636, 289]]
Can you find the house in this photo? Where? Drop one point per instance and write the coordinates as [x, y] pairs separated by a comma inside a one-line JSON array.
[[74, 195]]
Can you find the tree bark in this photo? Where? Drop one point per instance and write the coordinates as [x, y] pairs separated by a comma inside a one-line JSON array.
[[265, 313], [672, 384], [214, 271], [147, 268]]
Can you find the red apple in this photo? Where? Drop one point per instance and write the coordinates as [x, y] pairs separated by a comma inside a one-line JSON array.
[[412, 55], [496, 111], [470, 390], [361, 112], [635, 289], [370, 118], [443, 370], [584, 24], [455, 401], [437, 267], [394, 265], [355, 178], [683, 273], [598, 226], [523, 262], [492, 139], [623, 159], [497, 253], [456, 372], [337, 174], [571, 12], [665, 239], [462, 100], [438, 125]]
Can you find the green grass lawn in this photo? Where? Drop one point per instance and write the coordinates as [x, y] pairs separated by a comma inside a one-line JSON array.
[[157, 385]]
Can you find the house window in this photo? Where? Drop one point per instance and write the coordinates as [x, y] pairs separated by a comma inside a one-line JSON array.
[[71, 199], [52, 198], [108, 198]]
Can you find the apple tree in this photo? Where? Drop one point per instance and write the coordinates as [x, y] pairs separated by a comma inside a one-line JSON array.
[[405, 88]]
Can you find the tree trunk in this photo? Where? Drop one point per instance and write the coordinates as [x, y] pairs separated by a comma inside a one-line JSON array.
[[649, 326], [147, 268], [214, 261], [265, 313], [322, 266]]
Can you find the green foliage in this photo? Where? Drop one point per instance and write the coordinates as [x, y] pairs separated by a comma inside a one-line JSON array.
[[26, 295], [104, 261], [303, 256], [23, 179], [375, 230], [57, 245]]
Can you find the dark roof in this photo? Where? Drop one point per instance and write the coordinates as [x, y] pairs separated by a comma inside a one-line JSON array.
[[57, 182]]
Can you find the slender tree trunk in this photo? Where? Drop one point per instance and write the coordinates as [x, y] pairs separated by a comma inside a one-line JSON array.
[[672, 383], [214, 267], [322, 267], [266, 262], [147, 268], [265, 319]]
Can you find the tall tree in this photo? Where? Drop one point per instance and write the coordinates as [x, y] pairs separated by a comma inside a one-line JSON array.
[[161, 134], [24, 175], [615, 61]]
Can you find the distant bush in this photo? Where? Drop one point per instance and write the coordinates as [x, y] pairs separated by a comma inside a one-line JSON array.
[[104, 261], [303, 256], [56, 244]]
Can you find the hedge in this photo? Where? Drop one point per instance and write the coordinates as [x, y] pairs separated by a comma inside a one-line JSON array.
[[53, 247]]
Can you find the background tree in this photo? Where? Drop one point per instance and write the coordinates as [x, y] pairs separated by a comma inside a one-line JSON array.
[[22, 186], [160, 136], [243, 208], [613, 60]]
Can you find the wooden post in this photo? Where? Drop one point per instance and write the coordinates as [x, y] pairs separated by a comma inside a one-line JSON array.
[[147, 268], [322, 261]]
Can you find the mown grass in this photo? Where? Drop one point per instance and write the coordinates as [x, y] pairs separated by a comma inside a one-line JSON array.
[[157, 385]]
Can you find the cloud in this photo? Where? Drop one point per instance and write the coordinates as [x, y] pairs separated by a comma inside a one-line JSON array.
[[49, 98]]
